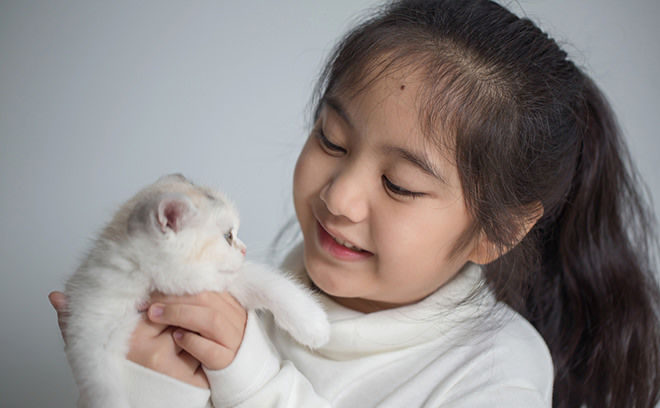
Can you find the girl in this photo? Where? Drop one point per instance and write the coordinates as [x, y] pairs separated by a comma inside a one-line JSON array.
[[464, 189]]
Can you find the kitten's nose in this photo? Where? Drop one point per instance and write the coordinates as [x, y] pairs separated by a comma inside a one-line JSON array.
[[242, 248]]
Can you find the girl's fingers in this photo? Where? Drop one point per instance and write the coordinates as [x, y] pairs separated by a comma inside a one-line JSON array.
[[158, 352], [148, 329], [213, 300], [58, 300], [210, 323], [208, 326], [230, 300], [149, 350], [163, 355], [212, 355], [207, 298], [186, 358], [152, 346], [199, 378]]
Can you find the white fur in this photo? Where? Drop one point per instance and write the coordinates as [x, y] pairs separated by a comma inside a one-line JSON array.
[[169, 238]]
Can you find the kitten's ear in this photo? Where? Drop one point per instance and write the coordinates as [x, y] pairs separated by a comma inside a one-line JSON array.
[[176, 177], [174, 211]]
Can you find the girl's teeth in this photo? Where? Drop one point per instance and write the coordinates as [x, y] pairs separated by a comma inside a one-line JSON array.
[[347, 245]]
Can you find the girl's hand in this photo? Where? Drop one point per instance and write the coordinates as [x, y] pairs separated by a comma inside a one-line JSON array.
[[152, 346], [210, 325], [59, 302]]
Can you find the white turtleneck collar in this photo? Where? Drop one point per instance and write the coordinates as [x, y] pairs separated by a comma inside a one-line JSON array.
[[354, 334]]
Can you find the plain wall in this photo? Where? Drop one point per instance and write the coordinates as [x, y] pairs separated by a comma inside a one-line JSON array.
[[100, 98]]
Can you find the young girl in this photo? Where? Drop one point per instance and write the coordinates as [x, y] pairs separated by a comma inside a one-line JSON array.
[[464, 199]]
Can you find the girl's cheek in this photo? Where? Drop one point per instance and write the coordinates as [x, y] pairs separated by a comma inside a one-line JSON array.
[[301, 162], [302, 182], [307, 170], [298, 180]]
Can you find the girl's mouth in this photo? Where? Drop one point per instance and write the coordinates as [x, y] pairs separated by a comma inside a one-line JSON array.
[[338, 248]]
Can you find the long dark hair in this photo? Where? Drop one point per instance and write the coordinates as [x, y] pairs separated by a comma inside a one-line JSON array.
[[531, 132]]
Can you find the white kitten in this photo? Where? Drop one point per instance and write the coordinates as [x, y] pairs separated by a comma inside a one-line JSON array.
[[175, 238]]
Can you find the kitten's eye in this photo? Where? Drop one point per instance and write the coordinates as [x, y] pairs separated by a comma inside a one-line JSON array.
[[229, 237]]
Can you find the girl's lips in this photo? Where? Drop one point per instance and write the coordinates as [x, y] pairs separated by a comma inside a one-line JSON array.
[[334, 248]]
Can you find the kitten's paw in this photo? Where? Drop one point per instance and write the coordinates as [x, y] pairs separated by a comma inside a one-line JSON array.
[[310, 329], [312, 334]]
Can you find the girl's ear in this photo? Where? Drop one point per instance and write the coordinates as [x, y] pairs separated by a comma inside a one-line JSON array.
[[485, 251]]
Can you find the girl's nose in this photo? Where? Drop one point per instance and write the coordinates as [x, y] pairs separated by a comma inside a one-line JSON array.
[[346, 195]]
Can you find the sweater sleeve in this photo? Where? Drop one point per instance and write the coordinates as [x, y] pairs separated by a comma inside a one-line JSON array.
[[257, 377], [149, 389]]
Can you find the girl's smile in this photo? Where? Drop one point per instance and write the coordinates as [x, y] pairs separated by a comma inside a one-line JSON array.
[[340, 248], [380, 207]]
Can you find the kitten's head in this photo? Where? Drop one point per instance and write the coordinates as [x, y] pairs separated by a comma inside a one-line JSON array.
[[194, 225]]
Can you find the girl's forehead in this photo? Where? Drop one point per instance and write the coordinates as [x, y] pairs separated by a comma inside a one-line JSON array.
[[387, 101], [428, 90], [397, 98], [386, 116], [375, 77]]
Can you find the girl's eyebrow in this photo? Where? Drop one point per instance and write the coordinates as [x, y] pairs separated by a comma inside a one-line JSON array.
[[419, 160], [336, 106]]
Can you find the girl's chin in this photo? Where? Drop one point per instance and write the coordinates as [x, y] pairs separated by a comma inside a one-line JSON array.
[[321, 278], [343, 295]]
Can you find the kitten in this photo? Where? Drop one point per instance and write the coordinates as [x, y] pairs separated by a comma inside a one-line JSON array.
[[175, 238]]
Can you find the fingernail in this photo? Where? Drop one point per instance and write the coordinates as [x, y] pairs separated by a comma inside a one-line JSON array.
[[155, 311], [177, 334]]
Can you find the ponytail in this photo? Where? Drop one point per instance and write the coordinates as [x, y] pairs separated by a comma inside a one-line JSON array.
[[595, 299]]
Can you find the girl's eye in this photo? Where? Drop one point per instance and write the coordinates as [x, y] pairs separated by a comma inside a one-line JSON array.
[[327, 144], [229, 237], [400, 191]]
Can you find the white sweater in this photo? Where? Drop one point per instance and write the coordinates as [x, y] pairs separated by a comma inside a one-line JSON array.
[[441, 352]]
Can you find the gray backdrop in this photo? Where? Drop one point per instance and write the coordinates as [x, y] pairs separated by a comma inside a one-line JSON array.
[[100, 98]]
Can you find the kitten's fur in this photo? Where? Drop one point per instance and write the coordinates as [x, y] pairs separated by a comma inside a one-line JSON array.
[[172, 237]]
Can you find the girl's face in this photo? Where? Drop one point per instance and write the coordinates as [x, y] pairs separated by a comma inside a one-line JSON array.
[[379, 206]]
